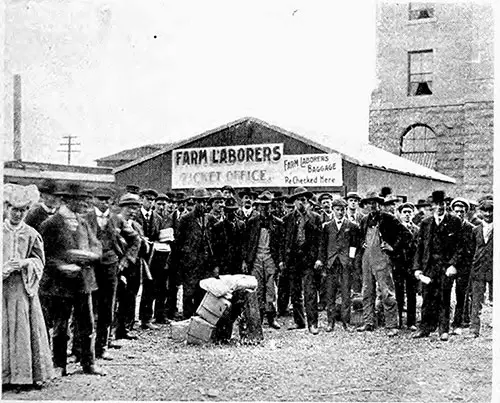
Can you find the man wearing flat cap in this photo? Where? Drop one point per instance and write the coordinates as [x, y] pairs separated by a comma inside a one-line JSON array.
[[194, 252], [47, 206], [460, 207], [69, 278], [482, 264], [384, 241], [438, 253], [120, 244], [302, 235], [262, 255], [338, 246]]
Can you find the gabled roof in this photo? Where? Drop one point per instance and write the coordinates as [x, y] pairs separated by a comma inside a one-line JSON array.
[[133, 153], [361, 153]]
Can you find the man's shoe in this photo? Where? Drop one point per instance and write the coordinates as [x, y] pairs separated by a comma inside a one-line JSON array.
[[274, 324], [60, 372], [444, 337], [149, 326], [114, 345], [392, 332], [104, 356], [126, 336], [296, 327], [93, 370], [330, 327], [313, 329], [420, 334], [365, 328], [412, 328], [163, 321], [456, 331]]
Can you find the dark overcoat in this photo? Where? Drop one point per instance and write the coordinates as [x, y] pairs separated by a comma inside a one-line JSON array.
[[228, 239], [251, 240], [482, 263]]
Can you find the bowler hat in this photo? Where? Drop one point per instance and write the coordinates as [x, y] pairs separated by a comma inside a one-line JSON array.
[[265, 197], [162, 196], [438, 196], [423, 202], [230, 203], [48, 186], [148, 192], [372, 196], [73, 190], [299, 192], [129, 199], [339, 202], [353, 195], [217, 195], [102, 192], [385, 191], [406, 205], [462, 201], [134, 189], [324, 196], [249, 192], [199, 194]]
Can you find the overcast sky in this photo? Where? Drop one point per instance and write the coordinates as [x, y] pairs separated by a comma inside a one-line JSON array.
[[120, 74]]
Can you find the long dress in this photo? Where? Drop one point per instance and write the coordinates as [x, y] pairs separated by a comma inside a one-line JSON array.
[[26, 355]]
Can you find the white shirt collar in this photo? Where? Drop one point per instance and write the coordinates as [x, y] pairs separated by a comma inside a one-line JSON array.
[[99, 213], [145, 212]]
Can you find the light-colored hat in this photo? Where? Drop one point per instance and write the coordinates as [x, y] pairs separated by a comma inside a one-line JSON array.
[[20, 196], [265, 197], [372, 196], [339, 202], [462, 201], [129, 199]]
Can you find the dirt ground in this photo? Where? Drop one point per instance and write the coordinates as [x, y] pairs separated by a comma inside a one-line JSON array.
[[289, 366]]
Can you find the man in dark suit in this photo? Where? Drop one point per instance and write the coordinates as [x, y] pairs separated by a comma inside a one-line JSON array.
[[438, 253], [338, 245], [354, 214], [151, 223], [301, 243], [460, 207], [194, 253], [284, 283], [262, 255], [404, 278], [482, 264], [384, 241], [120, 244], [47, 207], [69, 278]]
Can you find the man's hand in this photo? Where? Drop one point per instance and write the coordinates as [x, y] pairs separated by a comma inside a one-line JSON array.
[[451, 271], [385, 246], [281, 266], [318, 264], [122, 265], [215, 272], [244, 267], [418, 273], [15, 264]]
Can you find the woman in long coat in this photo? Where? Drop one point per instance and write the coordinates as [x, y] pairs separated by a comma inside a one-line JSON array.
[[26, 355]]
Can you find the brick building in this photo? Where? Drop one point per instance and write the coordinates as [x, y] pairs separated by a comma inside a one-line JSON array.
[[434, 101]]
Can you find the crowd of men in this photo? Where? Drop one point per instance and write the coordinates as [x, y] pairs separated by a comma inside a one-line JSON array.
[[304, 249]]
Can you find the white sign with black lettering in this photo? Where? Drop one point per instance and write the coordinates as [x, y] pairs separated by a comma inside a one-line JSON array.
[[312, 170], [256, 165]]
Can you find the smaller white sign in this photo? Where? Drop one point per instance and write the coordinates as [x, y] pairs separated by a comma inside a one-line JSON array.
[[313, 170]]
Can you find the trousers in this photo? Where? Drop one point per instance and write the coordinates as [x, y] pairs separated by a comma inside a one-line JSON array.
[[264, 270], [436, 297], [338, 279]]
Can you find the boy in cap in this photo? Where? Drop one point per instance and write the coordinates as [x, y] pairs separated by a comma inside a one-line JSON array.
[[438, 252], [482, 264], [353, 211]]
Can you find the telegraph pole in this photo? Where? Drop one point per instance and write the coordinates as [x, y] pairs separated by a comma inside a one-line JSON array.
[[69, 147]]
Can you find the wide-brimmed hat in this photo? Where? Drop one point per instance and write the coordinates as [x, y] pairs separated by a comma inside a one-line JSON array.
[[228, 188], [102, 192], [199, 194], [423, 202], [438, 196], [324, 196], [20, 196], [247, 191], [129, 199], [230, 203], [148, 192], [162, 196], [279, 196], [352, 195], [73, 190], [390, 199], [372, 196], [134, 189], [217, 195], [48, 186], [462, 201], [339, 202], [301, 191], [266, 197], [406, 205]]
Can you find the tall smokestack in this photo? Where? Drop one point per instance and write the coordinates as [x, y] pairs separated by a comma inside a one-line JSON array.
[[17, 117]]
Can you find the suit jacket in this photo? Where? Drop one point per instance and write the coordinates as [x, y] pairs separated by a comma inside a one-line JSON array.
[[58, 240], [463, 266], [252, 235], [450, 252], [392, 232], [312, 235], [335, 242], [118, 238], [194, 249], [482, 263], [151, 228], [36, 216], [358, 216], [227, 242]]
